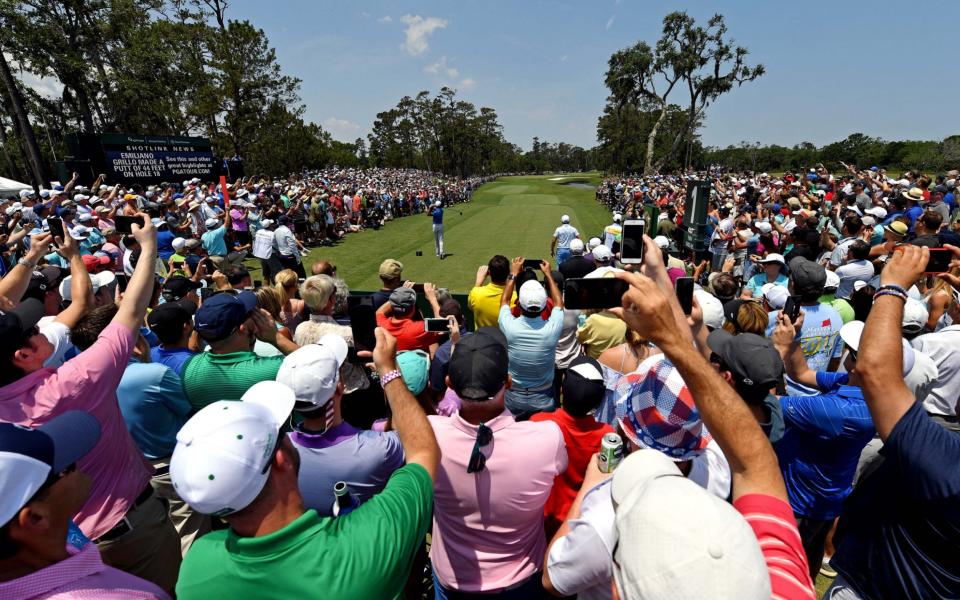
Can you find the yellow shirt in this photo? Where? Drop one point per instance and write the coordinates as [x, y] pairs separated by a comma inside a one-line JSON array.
[[484, 301], [601, 331]]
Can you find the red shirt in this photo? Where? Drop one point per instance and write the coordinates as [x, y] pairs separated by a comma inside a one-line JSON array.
[[410, 334], [776, 530], [582, 436]]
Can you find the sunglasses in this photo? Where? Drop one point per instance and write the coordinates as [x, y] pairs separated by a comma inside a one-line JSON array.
[[477, 460]]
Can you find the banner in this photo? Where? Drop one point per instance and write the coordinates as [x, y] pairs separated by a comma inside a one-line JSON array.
[[155, 159]]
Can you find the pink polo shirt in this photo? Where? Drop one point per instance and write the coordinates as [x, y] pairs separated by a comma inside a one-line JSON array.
[[488, 526], [77, 577], [89, 383]]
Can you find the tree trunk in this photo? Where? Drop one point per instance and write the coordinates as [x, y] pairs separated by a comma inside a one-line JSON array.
[[27, 137], [648, 168]]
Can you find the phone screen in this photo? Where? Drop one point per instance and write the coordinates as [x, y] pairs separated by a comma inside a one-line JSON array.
[[437, 325], [631, 246], [939, 261], [123, 224], [532, 263], [792, 308], [363, 321], [56, 227], [684, 287], [602, 292]]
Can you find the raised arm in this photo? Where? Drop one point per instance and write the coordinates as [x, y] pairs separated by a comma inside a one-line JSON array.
[[409, 420], [139, 290], [887, 396], [515, 268], [651, 313], [784, 340], [552, 288], [81, 289], [15, 283]]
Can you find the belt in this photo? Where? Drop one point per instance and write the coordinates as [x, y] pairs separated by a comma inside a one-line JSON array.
[[124, 526]]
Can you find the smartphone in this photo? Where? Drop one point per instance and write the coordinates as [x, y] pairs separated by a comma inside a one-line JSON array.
[[436, 325], [631, 245], [56, 227], [123, 224], [939, 261], [363, 322], [418, 287], [602, 292], [684, 288], [532, 263], [792, 308]]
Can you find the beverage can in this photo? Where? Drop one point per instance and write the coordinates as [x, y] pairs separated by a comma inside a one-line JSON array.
[[611, 452]]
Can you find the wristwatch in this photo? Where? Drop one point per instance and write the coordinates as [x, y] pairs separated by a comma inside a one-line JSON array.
[[511, 277], [390, 376], [26, 262]]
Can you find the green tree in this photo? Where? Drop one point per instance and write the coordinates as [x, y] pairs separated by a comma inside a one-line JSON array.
[[700, 61]]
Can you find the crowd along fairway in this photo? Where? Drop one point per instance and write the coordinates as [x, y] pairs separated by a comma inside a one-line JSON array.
[[513, 216]]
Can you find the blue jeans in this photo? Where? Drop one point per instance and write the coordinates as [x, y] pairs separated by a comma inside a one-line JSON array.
[[562, 255], [522, 403], [531, 588]]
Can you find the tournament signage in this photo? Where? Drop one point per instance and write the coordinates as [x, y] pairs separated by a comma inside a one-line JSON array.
[[152, 159]]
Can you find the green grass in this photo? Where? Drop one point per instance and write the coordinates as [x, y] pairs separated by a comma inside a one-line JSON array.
[[513, 216]]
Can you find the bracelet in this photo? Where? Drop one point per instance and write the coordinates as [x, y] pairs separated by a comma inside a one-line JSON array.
[[888, 292], [894, 287], [388, 377], [26, 262]]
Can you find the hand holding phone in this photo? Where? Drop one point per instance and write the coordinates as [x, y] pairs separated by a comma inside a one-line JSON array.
[[532, 263], [56, 227], [439, 325], [124, 224], [595, 293], [631, 245], [684, 288]]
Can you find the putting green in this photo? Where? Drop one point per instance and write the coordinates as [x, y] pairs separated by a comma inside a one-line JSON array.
[[513, 216]]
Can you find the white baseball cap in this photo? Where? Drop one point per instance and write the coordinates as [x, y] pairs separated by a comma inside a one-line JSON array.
[[532, 297], [223, 453], [576, 246], [80, 232], [775, 295], [617, 217], [763, 226], [602, 254], [593, 243], [97, 281], [711, 307], [851, 332], [178, 243], [211, 223], [266, 223], [773, 257], [915, 315], [661, 241], [677, 540], [877, 211], [312, 371], [833, 280], [565, 219], [437, 203]]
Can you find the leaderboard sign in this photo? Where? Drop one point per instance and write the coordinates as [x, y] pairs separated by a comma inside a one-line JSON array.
[[152, 159]]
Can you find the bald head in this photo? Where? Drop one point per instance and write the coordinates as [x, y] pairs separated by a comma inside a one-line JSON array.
[[323, 267]]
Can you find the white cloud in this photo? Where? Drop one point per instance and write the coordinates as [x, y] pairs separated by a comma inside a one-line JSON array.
[[386, 19], [468, 84], [365, 15], [610, 21], [341, 129], [418, 31], [441, 68]]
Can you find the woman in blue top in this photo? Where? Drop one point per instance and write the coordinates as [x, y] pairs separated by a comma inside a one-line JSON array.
[[773, 266]]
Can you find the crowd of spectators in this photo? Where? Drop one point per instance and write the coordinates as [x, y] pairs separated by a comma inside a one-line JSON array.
[[168, 428]]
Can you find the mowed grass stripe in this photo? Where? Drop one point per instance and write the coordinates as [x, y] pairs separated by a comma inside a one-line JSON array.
[[512, 216]]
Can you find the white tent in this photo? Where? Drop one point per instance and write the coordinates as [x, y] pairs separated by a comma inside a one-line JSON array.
[[10, 187]]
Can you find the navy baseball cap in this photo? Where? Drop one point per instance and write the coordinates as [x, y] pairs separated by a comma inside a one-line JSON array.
[[29, 458], [16, 326], [222, 314]]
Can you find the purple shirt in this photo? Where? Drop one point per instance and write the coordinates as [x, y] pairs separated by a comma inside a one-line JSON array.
[[81, 576], [238, 220], [89, 383]]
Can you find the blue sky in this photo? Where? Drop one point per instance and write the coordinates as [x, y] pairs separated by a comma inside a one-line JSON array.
[[833, 68]]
